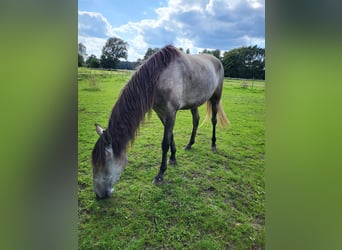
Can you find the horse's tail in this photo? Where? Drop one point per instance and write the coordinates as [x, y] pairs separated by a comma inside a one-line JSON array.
[[221, 115]]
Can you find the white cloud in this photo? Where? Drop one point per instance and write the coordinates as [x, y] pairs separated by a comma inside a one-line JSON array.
[[246, 40], [209, 7], [255, 4], [137, 47], [93, 44], [186, 44], [93, 24], [193, 24]]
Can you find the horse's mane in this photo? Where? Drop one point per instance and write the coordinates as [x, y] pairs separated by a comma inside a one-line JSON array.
[[135, 100]]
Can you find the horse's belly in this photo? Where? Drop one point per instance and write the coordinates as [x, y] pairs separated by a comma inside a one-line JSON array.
[[196, 97]]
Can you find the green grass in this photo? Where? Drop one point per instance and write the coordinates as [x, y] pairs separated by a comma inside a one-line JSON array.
[[207, 201]]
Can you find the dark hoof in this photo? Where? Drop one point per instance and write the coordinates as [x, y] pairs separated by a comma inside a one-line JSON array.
[[187, 147], [157, 180], [172, 162], [213, 148]]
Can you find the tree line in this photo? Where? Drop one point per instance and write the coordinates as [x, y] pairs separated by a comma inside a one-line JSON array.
[[243, 62]]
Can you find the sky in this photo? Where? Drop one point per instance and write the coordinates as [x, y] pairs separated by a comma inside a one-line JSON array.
[[190, 24]]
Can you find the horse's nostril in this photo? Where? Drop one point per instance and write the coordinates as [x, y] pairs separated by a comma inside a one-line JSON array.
[[104, 196], [109, 193], [98, 197]]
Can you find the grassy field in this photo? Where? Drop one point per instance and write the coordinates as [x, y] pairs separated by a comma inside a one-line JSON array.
[[207, 201]]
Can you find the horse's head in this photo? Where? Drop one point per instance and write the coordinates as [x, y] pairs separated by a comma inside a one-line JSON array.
[[107, 167]]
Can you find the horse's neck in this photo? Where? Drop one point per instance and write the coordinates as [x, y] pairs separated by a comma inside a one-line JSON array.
[[120, 136], [123, 125]]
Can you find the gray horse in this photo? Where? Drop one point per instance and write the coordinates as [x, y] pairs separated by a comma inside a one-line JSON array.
[[167, 82]]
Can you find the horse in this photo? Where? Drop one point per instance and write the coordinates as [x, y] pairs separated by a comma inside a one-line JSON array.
[[168, 81]]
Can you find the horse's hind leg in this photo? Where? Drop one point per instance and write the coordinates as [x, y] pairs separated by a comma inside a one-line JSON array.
[[214, 108], [195, 120]]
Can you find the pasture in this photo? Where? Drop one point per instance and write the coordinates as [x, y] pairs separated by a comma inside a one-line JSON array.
[[209, 200]]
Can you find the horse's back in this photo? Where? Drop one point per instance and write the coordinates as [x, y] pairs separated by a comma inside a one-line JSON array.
[[188, 82], [204, 76]]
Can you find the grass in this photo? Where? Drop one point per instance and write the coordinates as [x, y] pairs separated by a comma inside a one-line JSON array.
[[207, 201]]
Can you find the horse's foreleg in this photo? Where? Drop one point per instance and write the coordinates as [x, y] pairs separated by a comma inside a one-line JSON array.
[[172, 159], [167, 139], [195, 121]]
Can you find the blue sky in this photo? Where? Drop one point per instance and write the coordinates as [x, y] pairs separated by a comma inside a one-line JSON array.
[[193, 24]]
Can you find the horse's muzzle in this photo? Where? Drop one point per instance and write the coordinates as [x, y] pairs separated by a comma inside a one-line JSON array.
[[105, 195]]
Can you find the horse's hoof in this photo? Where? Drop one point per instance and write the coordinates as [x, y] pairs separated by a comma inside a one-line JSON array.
[[172, 162], [213, 148], [157, 180], [187, 147]]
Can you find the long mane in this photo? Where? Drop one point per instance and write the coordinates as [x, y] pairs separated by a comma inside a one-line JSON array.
[[135, 100]]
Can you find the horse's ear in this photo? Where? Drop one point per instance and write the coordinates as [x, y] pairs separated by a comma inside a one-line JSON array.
[[107, 138], [99, 130]]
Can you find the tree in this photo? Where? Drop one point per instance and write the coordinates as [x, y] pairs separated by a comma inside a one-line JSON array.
[[138, 63], [188, 51], [80, 60], [82, 50], [150, 52], [216, 53], [114, 49], [82, 53], [245, 62], [93, 62], [125, 65], [232, 63]]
